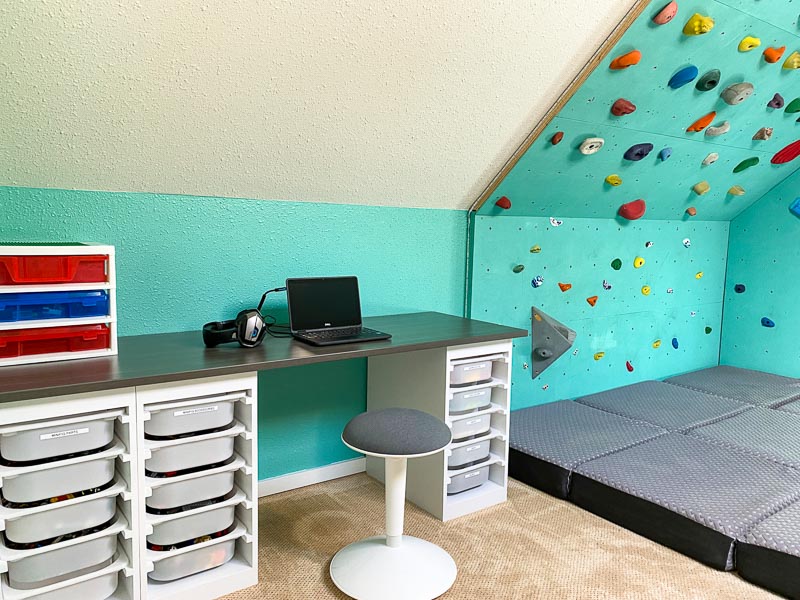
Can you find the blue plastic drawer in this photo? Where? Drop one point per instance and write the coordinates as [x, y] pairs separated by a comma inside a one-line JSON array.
[[53, 305]]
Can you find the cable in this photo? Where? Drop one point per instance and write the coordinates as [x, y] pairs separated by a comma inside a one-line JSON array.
[[271, 323]]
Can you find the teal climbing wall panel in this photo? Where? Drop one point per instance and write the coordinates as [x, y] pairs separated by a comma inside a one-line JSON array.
[[624, 323], [764, 256]]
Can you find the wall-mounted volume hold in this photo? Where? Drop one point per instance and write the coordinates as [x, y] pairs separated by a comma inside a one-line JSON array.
[[792, 61], [591, 145], [718, 130], [710, 159], [708, 81], [702, 122], [763, 134], [776, 102], [786, 154], [637, 152], [625, 60], [622, 107], [794, 207], [682, 77], [503, 203], [701, 187], [737, 93], [666, 14], [698, 25], [773, 55], [614, 180], [633, 210], [749, 43], [746, 164], [793, 107], [665, 154], [736, 190], [557, 137]]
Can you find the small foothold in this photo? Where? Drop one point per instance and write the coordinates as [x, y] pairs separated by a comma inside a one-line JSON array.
[[614, 180], [592, 300], [637, 152], [638, 262], [557, 137], [525, 366], [773, 55], [606, 285], [786, 154], [675, 343], [622, 107], [591, 145], [793, 107], [682, 77], [736, 190], [556, 222], [702, 122], [763, 134], [687, 242], [633, 210], [616, 264], [575, 352], [648, 244], [767, 322], [708, 81], [792, 61], [646, 290], [740, 288], [693, 313], [599, 355], [708, 330], [719, 129], [746, 164], [698, 25], [666, 14], [564, 286], [710, 159], [657, 344], [749, 43], [626, 60], [777, 102], [503, 203], [629, 366], [670, 291], [665, 154], [699, 275], [537, 281], [691, 211], [546, 387], [701, 188], [518, 268], [536, 249], [737, 93]]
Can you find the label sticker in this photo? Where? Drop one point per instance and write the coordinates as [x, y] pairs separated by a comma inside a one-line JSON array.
[[471, 448], [473, 474], [473, 422], [195, 411], [473, 394], [473, 367], [62, 434]]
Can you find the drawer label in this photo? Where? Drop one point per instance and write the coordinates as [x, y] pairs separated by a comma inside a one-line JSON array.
[[473, 367], [471, 448], [474, 394], [472, 422], [473, 474], [62, 434], [195, 411]]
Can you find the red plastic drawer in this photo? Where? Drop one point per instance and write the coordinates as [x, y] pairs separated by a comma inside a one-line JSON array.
[[20, 270], [48, 340]]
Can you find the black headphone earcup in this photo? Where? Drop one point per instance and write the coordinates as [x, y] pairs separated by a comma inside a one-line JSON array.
[[250, 328], [219, 332]]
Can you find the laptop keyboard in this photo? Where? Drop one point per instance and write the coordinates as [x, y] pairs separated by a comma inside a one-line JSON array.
[[330, 334]]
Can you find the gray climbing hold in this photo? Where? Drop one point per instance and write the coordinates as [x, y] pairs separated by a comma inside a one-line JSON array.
[[737, 93], [718, 130], [708, 81], [550, 340]]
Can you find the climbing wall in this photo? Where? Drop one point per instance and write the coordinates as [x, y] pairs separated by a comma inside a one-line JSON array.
[[687, 115], [761, 329], [632, 292]]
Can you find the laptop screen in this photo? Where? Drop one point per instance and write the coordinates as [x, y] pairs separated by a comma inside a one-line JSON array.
[[322, 303]]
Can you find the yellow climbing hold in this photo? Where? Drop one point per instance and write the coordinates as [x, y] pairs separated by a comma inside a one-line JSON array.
[[657, 344], [701, 188], [699, 275], [749, 43], [614, 180], [792, 61], [638, 262], [599, 355], [736, 190], [536, 249], [698, 25], [646, 290]]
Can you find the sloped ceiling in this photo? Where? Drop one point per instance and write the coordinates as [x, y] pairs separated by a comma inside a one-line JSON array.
[[557, 180], [388, 103]]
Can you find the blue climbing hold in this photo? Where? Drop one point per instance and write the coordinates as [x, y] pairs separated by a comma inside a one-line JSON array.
[[794, 207], [767, 322], [675, 343], [637, 152], [682, 77], [665, 154], [739, 288]]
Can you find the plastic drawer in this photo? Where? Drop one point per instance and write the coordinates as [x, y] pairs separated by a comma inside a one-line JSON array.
[[174, 421], [98, 588], [53, 305], [196, 561], [470, 400], [28, 270], [471, 372], [192, 526], [190, 455], [467, 481], [47, 442], [470, 454], [48, 568], [471, 426], [190, 491], [49, 340], [61, 521], [58, 481]]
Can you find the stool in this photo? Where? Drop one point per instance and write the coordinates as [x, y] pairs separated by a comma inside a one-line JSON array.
[[394, 566]]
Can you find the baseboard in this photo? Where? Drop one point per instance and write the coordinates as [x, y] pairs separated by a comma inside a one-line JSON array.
[[292, 481]]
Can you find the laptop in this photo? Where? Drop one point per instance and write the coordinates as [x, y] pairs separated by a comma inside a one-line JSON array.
[[324, 311]]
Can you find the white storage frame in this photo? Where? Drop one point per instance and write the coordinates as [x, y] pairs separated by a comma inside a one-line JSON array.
[[421, 380], [110, 285]]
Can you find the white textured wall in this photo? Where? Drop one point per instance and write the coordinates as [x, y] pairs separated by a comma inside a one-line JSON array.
[[412, 103]]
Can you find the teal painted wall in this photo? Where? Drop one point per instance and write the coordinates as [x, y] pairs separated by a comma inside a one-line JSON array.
[[183, 261], [765, 257], [624, 323]]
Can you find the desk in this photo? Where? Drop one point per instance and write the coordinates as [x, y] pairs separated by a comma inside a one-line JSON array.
[[174, 374]]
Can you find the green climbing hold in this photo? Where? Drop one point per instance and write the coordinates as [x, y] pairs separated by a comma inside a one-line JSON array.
[[616, 264], [793, 106], [746, 164], [518, 269], [708, 330]]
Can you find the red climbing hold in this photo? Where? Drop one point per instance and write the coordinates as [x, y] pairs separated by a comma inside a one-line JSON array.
[[504, 203], [564, 286], [557, 137], [789, 153], [633, 210], [592, 300], [622, 107], [691, 211], [629, 366]]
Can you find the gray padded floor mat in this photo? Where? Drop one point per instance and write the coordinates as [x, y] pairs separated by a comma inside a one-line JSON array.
[[792, 407], [672, 407], [780, 532], [744, 385]]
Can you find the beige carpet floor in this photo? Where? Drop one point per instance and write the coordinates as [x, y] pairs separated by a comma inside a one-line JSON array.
[[531, 547]]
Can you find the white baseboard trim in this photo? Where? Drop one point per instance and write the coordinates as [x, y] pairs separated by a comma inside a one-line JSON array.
[[292, 481]]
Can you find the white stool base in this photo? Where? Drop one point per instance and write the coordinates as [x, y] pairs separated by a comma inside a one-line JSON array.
[[371, 570]]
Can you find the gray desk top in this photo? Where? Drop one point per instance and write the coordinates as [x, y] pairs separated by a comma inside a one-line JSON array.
[[158, 358]]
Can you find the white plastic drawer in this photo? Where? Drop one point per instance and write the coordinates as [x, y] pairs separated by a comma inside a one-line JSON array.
[[190, 455], [48, 442], [189, 563], [58, 481], [48, 568], [470, 400], [190, 491], [467, 481], [192, 527], [61, 521], [471, 426], [180, 420], [473, 371], [98, 588], [463, 456]]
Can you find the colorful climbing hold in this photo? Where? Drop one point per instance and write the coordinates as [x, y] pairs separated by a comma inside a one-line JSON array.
[[670, 291], [675, 343], [786, 154], [793, 107], [536, 249], [622, 107], [518, 268], [708, 330], [736, 190], [792, 61], [687, 242], [557, 137], [773, 55], [537, 281], [699, 275], [691, 211], [740, 288], [626, 60], [698, 25], [665, 154], [701, 188], [592, 300], [763, 134], [737, 93], [777, 102], [749, 43], [794, 207], [633, 210], [556, 222], [564, 286], [629, 366], [710, 159], [646, 290], [682, 77], [537, 316], [767, 322], [666, 14], [657, 344], [614, 180], [718, 130], [708, 81], [616, 264], [591, 145], [637, 152], [648, 244], [638, 262], [599, 355], [503, 203], [606, 285], [746, 164], [702, 122], [693, 313]]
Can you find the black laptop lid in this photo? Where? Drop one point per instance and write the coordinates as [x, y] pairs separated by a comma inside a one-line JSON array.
[[323, 303]]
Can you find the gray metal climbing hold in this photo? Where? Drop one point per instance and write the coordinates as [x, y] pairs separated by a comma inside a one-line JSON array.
[[708, 81], [737, 93]]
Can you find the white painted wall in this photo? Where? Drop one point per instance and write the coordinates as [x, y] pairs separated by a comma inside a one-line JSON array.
[[412, 103]]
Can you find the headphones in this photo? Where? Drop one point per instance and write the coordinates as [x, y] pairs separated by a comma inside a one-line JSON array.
[[248, 328]]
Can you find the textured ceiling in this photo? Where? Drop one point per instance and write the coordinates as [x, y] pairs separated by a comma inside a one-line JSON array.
[[559, 181], [389, 103]]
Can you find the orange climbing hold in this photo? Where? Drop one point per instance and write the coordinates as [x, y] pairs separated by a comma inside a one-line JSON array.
[[592, 300], [626, 60], [773, 55], [564, 286], [702, 122], [691, 211], [557, 137], [503, 203]]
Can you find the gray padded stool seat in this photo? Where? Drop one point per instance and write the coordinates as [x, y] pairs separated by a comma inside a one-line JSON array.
[[744, 385], [394, 566]]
